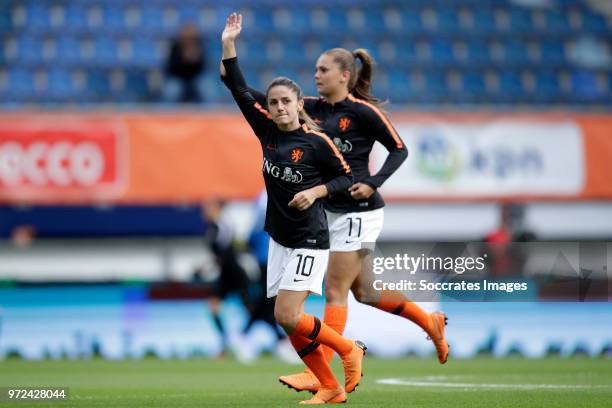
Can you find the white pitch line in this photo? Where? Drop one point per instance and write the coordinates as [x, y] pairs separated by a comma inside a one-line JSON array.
[[420, 383]]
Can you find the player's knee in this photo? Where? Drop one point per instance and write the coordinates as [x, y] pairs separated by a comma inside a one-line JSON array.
[[287, 318], [335, 292], [359, 294], [364, 295]]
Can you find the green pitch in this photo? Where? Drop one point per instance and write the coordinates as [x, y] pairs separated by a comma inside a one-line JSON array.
[[418, 383]]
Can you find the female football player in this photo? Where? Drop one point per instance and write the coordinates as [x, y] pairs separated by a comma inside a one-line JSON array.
[[300, 166]]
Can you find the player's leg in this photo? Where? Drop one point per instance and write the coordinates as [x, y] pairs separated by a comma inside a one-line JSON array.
[[288, 312], [303, 270], [395, 302], [215, 304], [346, 232], [351, 234], [308, 331], [343, 269]]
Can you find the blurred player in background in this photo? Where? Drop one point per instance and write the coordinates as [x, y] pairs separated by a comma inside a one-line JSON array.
[[352, 117], [232, 278], [300, 166]]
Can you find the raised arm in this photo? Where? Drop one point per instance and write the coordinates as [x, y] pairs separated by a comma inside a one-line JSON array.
[[233, 27], [255, 114]]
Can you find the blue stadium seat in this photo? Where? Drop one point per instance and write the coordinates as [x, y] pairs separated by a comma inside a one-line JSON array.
[[594, 23], [400, 87], [61, 85], [98, 84], [147, 52], [300, 22], [295, 52], [448, 21], [386, 52], [338, 20], [306, 81], [37, 17], [375, 19], [6, 21], [442, 52], [436, 84], [29, 50], [264, 19], [510, 86], [21, 82], [484, 20], [255, 51], [106, 51], [187, 13], [113, 19], [584, 85], [151, 18], [136, 84], [258, 80], [381, 84], [474, 85], [68, 50], [547, 86], [76, 18], [552, 52], [520, 19], [406, 52], [515, 52], [411, 21], [478, 52], [557, 22]]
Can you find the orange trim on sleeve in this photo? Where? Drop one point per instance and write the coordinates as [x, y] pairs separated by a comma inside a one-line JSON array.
[[331, 144], [390, 128], [262, 110]]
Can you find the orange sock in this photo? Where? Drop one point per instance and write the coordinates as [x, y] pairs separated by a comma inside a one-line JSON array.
[[335, 317], [313, 329], [311, 354], [395, 302]]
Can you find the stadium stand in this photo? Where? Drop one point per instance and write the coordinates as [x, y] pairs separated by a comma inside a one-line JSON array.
[[108, 51]]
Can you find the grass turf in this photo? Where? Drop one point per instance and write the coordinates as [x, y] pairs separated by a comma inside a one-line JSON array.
[[226, 383]]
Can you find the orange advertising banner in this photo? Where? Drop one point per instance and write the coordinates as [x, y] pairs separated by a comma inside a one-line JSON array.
[[159, 157]]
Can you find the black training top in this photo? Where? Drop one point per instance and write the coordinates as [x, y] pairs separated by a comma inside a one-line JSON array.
[[292, 162], [354, 125]]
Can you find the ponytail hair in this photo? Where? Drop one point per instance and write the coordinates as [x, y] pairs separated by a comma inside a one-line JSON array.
[[360, 82], [303, 116]]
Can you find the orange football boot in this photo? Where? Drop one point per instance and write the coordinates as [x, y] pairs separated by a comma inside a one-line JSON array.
[[352, 366], [327, 396], [439, 321], [304, 381]]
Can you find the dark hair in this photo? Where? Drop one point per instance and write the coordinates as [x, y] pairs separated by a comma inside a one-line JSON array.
[[360, 82], [284, 81]]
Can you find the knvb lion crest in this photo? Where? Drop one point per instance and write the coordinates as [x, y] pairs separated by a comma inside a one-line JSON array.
[[344, 123], [296, 155]]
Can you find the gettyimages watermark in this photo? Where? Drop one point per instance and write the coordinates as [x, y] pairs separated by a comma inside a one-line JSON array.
[[477, 271]]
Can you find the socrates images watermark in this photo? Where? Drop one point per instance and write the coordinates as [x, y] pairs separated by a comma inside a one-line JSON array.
[[405, 263]]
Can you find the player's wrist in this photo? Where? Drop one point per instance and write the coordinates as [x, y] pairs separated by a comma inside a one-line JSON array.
[[321, 191]]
